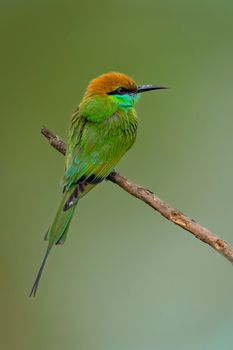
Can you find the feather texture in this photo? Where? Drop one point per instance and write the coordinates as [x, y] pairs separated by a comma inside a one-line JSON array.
[[102, 129]]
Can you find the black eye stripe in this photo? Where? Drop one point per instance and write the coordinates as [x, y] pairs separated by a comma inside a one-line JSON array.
[[120, 91]]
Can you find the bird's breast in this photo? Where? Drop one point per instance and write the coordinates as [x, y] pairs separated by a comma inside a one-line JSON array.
[[122, 127], [123, 120]]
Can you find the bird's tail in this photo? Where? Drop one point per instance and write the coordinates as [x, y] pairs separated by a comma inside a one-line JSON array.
[[56, 234]]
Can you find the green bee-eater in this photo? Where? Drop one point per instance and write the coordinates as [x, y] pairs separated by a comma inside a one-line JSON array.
[[102, 129]]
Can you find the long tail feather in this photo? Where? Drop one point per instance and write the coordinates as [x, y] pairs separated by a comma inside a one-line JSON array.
[[38, 277], [55, 235]]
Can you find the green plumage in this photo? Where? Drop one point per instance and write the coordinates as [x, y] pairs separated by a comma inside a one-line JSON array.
[[95, 147], [102, 130]]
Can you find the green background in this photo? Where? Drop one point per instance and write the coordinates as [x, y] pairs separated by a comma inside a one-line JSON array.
[[126, 278]]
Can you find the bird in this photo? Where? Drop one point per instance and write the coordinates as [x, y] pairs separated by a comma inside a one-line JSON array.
[[102, 129]]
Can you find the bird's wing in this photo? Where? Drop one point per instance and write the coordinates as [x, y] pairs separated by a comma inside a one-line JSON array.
[[93, 150]]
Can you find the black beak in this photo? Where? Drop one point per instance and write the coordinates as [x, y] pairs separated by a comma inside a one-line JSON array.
[[143, 88]]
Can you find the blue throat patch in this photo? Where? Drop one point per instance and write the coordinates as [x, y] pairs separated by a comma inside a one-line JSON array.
[[126, 100]]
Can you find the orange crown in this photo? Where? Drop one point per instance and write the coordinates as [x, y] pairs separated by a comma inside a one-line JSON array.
[[109, 82]]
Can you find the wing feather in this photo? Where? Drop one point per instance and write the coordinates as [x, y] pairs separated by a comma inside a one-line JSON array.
[[94, 148]]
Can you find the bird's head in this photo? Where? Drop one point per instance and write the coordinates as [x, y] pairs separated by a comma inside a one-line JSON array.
[[113, 91]]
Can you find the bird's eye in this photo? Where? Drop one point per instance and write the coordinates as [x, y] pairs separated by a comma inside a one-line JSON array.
[[119, 91]]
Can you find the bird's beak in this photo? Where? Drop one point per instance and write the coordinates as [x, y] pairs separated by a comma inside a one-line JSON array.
[[143, 88]]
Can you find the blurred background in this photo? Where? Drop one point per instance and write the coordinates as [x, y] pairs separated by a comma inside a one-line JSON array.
[[126, 278]]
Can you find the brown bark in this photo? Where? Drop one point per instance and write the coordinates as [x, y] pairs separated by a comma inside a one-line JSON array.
[[148, 197]]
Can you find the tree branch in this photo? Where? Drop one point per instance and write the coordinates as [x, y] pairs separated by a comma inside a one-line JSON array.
[[148, 197]]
